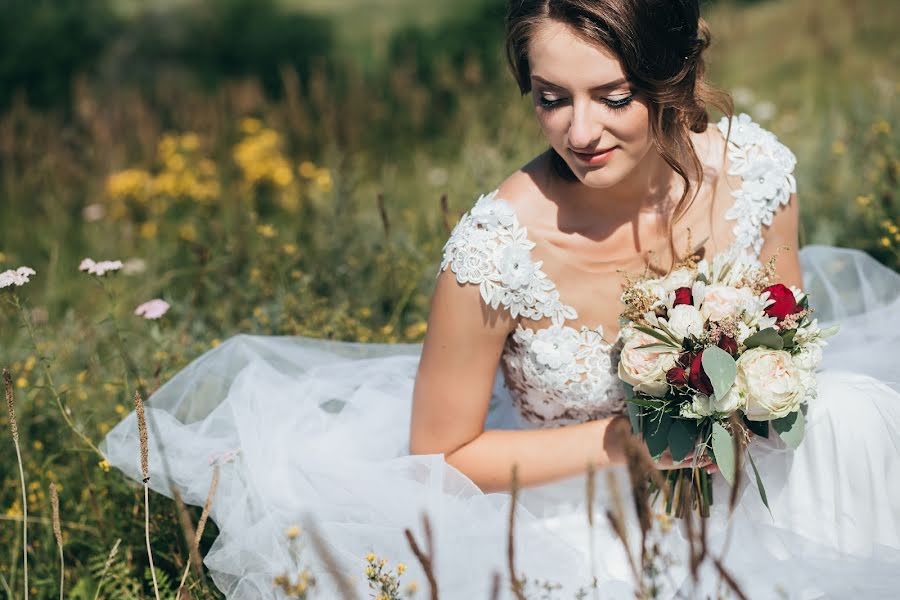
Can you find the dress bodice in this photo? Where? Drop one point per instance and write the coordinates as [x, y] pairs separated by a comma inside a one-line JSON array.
[[561, 374]]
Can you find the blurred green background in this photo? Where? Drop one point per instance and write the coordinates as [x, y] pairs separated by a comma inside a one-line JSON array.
[[294, 167]]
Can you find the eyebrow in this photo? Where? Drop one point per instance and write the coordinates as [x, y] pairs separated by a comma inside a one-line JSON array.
[[603, 86]]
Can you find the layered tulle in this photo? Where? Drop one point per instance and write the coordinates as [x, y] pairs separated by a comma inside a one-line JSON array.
[[309, 429]]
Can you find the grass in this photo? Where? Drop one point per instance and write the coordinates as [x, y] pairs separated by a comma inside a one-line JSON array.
[[322, 214]]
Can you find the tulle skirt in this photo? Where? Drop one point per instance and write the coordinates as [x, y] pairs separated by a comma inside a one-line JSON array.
[[314, 433]]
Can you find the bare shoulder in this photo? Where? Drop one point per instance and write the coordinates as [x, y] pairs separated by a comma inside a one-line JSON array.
[[525, 189]]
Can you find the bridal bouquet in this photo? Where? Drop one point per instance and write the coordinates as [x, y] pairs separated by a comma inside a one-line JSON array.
[[713, 354]]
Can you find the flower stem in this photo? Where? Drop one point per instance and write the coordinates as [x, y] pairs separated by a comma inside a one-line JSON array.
[[48, 376]]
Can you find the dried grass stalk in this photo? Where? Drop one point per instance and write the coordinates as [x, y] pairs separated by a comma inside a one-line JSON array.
[[145, 474], [426, 560], [331, 564], [194, 541], [14, 427], [57, 533], [514, 582]]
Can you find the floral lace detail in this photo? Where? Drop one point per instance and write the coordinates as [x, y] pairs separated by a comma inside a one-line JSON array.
[[489, 247], [558, 374], [766, 168]]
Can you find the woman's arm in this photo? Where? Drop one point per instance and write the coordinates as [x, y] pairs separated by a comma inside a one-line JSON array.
[[781, 238], [452, 392]]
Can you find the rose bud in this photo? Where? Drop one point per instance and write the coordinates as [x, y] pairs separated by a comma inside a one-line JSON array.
[[677, 376], [684, 360], [728, 344], [683, 296], [698, 378], [784, 304]]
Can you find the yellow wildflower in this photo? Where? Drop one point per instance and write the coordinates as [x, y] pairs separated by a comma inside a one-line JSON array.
[[266, 230], [838, 147], [307, 169], [21, 382], [886, 242], [864, 201], [289, 249], [187, 232], [881, 126], [250, 125], [37, 445], [190, 141], [128, 183], [215, 342], [148, 230], [293, 532], [104, 465], [400, 568]]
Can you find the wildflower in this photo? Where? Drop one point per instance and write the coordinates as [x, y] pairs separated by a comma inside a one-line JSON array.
[[99, 268], [307, 169], [104, 465], [400, 568], [864, 201], [838, 147], [152, 309], [134, 266], [370, 557], [886, 242], [17, 277], [289, 249], [93, 212], [293, 532], [267, 231]]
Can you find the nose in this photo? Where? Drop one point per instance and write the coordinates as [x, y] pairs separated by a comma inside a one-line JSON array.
[[585, 129]]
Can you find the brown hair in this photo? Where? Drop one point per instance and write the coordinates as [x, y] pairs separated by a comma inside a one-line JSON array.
[[660, 45]]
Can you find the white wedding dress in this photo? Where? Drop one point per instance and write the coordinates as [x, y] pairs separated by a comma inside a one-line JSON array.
[[301, 427]]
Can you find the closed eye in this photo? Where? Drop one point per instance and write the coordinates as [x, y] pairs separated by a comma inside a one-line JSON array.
[[617, 104]]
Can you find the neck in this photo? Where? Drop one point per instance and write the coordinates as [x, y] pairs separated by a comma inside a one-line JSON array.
[[651, 187]]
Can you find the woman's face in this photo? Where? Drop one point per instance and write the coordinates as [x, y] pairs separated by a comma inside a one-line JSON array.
[[586, 107]]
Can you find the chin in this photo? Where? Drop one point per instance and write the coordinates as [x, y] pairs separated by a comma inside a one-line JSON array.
[[598, 178]]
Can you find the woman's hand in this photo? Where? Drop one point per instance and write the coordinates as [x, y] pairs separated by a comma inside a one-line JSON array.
[[665, 462]]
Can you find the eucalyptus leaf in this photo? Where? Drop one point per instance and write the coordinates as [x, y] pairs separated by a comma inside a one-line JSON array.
[[634, 415], [723, 448], [791, 428], [720, 368], [656, 434], [759, 484], [768, 338], [629, 390], [682, 438]]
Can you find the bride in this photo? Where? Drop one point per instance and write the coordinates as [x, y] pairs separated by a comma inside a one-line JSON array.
[[519, 363]]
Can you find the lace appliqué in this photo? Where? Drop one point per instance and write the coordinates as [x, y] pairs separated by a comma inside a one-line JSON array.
[[488, 247], [560, 375], [556, 375], [766, 167]]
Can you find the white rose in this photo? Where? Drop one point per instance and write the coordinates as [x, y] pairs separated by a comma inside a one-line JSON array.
[[721, 301], [685, 320], [645, 369], [770, 383], [809, 358], [700, 407], [730, 402], [678, 278]]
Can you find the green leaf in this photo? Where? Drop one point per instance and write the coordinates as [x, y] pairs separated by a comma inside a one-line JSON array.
[[656, 434], [629, 390], [655, 334], [634, 415], [720, 368], [656, 347], [760, 428], [646, 402], [759, 484], [682, 438], [788, 337], [767, 337], [723, 448], [791, 428]]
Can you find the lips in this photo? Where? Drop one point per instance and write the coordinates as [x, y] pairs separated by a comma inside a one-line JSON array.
[[597, 157]]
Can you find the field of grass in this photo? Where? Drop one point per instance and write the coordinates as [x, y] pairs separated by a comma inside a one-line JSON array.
[[323, 213]]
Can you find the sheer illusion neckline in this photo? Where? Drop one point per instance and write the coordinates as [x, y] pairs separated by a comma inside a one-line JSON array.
[[599, 328]]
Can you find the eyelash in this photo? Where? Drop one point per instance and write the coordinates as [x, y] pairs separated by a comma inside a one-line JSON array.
[[614, 105]]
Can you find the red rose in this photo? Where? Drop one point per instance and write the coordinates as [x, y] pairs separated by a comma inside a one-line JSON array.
[[683, 296], [677, 376], [728, 344], [784, 301], [698, 379]]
